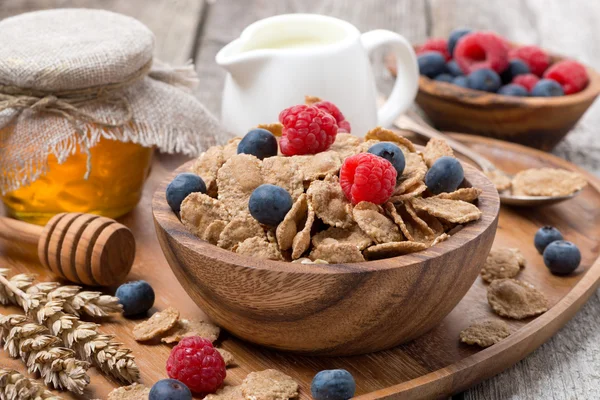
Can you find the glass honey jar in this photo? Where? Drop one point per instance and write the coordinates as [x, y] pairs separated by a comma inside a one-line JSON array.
[[113, 188]]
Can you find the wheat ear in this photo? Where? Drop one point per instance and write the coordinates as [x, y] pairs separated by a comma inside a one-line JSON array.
[[83, 337], [15, 386], [41, 353], [76, 301]]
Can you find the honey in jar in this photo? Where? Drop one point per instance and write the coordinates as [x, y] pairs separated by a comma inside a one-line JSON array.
[[114, 187]]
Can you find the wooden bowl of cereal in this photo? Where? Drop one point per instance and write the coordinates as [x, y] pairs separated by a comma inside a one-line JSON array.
[[349, 305]]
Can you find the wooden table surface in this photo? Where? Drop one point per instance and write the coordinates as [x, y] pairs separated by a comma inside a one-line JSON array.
[[568, 365]]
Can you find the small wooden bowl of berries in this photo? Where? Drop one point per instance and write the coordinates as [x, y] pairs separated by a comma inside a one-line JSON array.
[[478, 82]]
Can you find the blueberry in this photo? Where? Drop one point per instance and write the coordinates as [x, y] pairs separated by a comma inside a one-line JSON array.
[[444, 78], [547, 88], [462, 81], [484, 79], [269, 204], [453, 38], [431, 64], [333, 384], [392, 153], [445, 175], [562, 257], [544, 236], [169, 389], [260, 143], [181, 187], [513, 90], [454, 69], [136, 297], [515, 67]]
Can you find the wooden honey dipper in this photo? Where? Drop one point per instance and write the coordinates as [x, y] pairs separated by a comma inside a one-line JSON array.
[[82, 248]]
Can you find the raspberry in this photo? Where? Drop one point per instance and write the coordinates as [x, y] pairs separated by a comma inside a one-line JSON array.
[[197, 364], [536, 59], [367, 177], [327, 106], [571, 75], [439, 45], [481, 50], [528, 81], [306, 130]]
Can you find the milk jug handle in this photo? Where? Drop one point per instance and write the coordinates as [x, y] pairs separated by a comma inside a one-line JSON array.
[[407, 77]]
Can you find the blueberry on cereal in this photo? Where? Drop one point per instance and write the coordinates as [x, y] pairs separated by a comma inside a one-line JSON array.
[[544, 236], [170, 389], [562, 257], [390, 152], [258, 142], [269, 204], [333, 384], [136, 297], [445, 175], [180, 187]]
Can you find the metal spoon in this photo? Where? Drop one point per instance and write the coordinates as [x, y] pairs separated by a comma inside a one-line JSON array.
[[416, 125]]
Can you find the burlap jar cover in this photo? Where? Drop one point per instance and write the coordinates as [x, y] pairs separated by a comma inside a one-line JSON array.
[[71, 76]]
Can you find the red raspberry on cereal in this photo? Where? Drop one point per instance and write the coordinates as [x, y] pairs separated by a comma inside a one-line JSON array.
[[327, 106], [479, 50], [436, 44], [367, 177], [306, 130], [528, 81], [196, 363], [571, 75], [536, 59]]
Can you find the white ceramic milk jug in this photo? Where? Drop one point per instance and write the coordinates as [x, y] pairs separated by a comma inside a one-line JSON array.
[[278, 60]]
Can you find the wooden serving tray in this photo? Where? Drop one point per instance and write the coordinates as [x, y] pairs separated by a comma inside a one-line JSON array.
[[434, 365]]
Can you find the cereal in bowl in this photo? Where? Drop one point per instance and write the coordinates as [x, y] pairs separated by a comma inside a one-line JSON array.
[[328, 196]]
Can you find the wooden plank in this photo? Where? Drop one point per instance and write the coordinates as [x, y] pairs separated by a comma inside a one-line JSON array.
[[227, 18], [567, 365], [173, 22]]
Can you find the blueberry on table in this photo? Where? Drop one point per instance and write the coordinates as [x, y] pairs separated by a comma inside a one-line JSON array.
[[431, 64], [547, 88], [454, 69], [455, 35], [169, 389], [445, 175], [462, 81], [484, 79], [392, 153], [544, 236], [515, 67], [562, 257], [269, 204], [137, 297], [512, 89], [181, 187], [444, 78], [260, 143], [333, 384]]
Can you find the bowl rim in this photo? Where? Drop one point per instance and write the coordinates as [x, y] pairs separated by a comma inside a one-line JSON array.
[[473, 97], [166, 220]]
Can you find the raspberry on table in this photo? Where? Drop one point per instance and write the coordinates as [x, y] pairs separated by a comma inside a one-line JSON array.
[[436, 44], [327, 106], [306, 130], [479, 50], [197, 364], [570, 74], [367, 177], [536, 59], [528, 81]]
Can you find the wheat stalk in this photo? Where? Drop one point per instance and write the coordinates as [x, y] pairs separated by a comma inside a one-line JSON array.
[[15, 386], [41, 353], [83, 337], [76, 302]]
